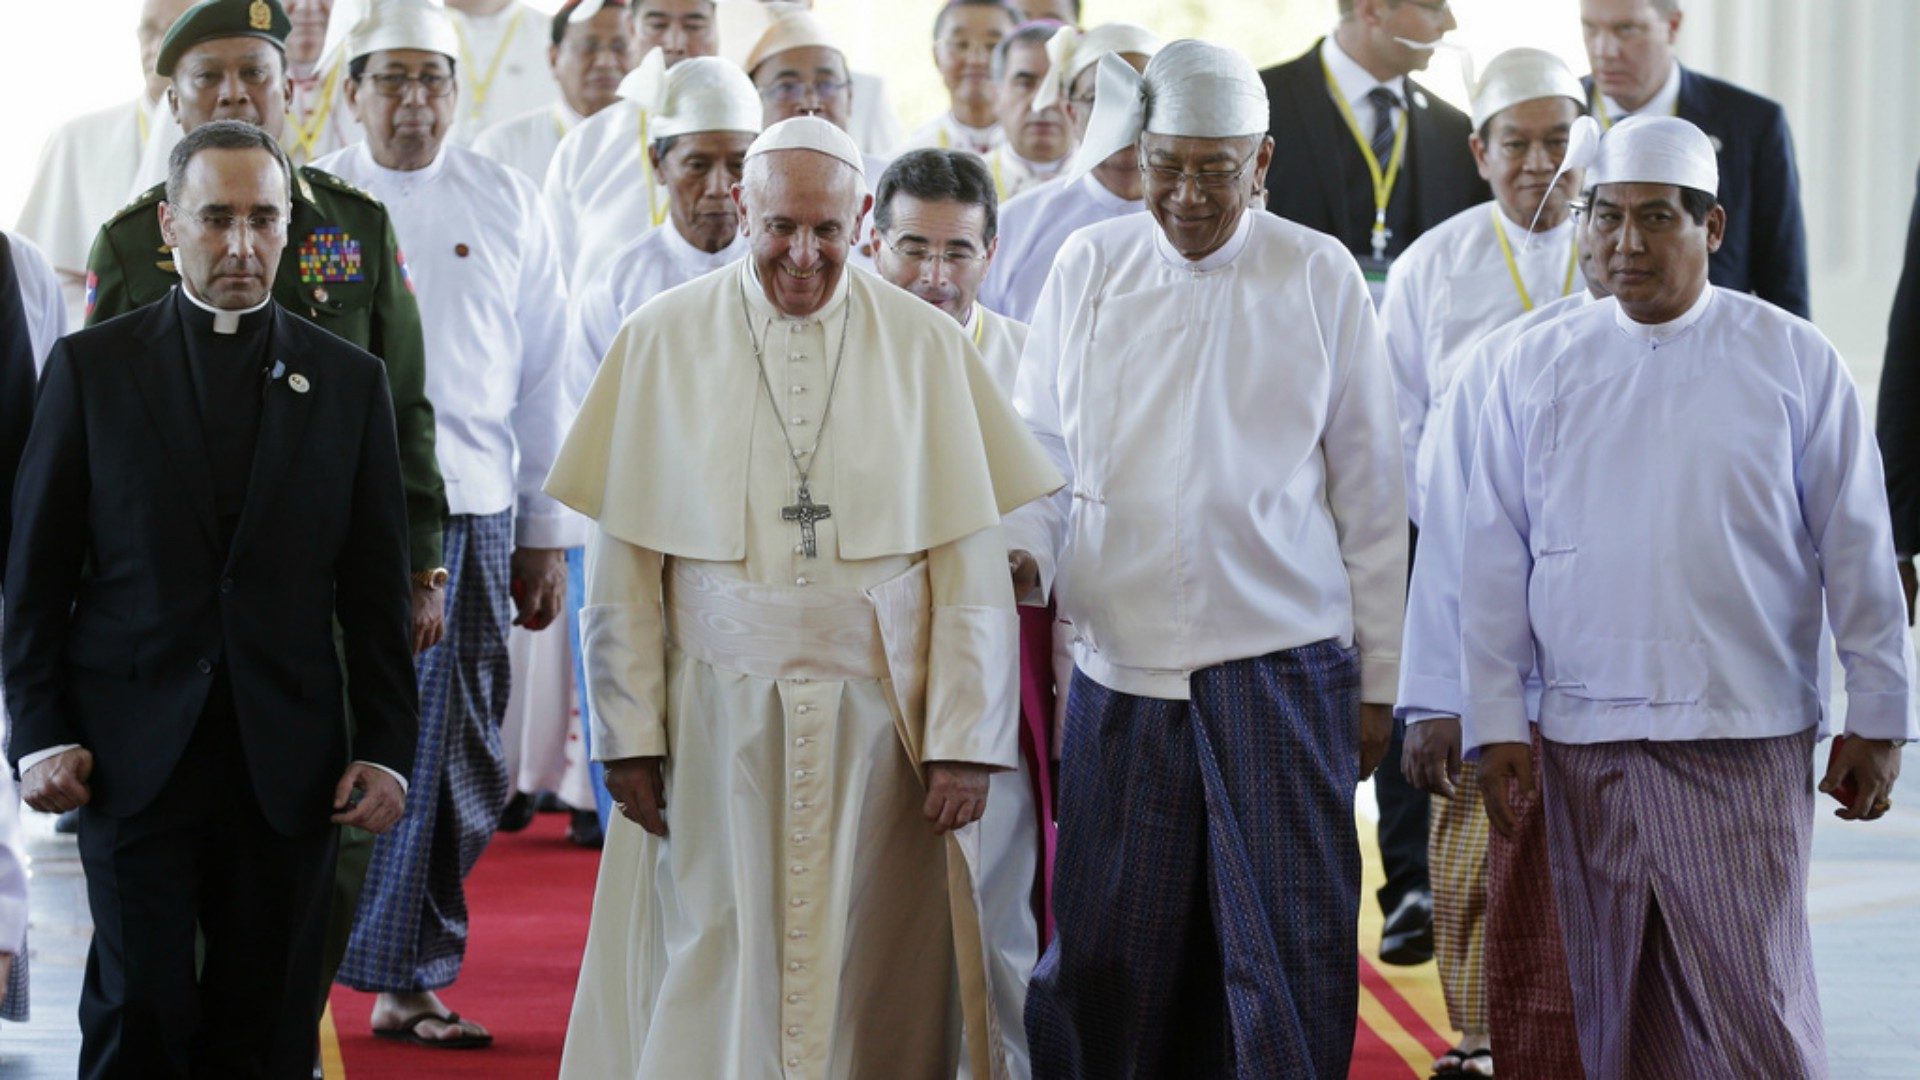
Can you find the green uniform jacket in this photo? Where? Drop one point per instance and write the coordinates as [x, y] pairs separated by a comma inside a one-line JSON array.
[[342, 270]]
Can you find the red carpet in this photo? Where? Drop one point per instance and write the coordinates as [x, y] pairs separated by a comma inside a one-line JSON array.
[[531, 896], [529, 899]]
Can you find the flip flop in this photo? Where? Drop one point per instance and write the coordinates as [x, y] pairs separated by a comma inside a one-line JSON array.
[[409, 1032]]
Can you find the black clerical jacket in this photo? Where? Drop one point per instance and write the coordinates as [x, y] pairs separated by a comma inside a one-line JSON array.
[[122, 601]]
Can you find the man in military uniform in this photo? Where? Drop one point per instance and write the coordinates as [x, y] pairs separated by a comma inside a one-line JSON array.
[[341, 269]]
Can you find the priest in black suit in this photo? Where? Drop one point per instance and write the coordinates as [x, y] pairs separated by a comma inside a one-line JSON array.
[[1351, 96], [209, 482], [1342, 114]]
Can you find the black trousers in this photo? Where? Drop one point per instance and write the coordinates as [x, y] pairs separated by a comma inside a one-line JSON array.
[[1403, 810], [202, 856]]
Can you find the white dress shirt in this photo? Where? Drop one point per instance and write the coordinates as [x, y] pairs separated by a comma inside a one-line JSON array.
[[1356, 82], [1664, 102], [1032, 228], [85, 172], [1658, 519], [599, 189], [944, 132], [522, 82], [1014, 175], [1430, 683], [1227, 432], [1000, 340], [493, 308], [873, 124], [527, 142], [658, 261], [40, 295], [1447, 289]]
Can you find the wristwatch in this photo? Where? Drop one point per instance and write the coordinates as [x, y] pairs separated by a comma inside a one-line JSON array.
[[431, 579]]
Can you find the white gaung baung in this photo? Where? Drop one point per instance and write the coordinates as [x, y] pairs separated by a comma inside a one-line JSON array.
[[502, 67], [1479, 268], [712, 96], [1663, 519], [1035, 224], [599, 188], [1231, 552], [801, 910], [85, 174]]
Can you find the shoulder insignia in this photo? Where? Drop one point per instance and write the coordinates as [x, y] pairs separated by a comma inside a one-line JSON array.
[[142, 201], [329, 254], [306, 189], [93, 292], [323, 179]]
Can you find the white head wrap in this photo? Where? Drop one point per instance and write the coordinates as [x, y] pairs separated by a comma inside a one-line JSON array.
[[1519, 75], [400, 24], [1641, 150], [810, 133], [1072, 51], [1190, 88], [751, 31], [700, 93]]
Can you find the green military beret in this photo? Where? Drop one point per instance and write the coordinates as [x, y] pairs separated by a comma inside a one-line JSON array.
[[210, 19]]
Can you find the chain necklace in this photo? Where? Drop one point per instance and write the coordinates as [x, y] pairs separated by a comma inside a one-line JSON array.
[[804, 512]]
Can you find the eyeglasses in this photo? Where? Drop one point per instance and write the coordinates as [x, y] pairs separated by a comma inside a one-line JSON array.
[[950, 260], [390, 85], [1209, 180], [793, 91]]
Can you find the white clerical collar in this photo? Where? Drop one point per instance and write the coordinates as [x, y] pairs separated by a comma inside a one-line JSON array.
[[686, 253], [1664, 102], [1354, 81], [1657, 334], [763, 309], [406, 177], [1104, 197], [224, 321], [1228, 252]]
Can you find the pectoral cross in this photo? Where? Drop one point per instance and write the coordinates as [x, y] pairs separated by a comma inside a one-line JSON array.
[[806, 512]]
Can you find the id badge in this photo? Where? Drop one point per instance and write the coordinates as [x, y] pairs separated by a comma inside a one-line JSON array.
[[1374, 269]]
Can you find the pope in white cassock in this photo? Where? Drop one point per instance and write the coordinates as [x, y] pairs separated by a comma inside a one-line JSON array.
[[593, 49], [1674, 496], [1231, 552], [800, 640], [1034, 225], [704, 114]]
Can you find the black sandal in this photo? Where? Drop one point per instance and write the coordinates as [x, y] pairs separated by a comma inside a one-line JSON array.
[[409, 1032]]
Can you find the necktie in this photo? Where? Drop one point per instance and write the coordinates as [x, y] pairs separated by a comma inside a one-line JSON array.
[[1384, 103], [17, 384]]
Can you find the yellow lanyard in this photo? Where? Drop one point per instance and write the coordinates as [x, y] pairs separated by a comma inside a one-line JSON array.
[[999, 182], [942, 140], [655, 212], [484, 83], [306, 133], [559, 122], [1382, 181], [1513, 267], [979, 325], [1600, 108], [146, 125]]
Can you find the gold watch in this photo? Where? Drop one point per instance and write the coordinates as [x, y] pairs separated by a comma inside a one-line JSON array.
[[431, 579]]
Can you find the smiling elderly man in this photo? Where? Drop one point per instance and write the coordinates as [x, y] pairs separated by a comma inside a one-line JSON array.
[[1232, 557], [798, 621]]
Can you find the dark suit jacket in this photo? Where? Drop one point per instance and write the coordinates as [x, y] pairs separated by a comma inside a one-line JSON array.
[[1899, 408], [1310, 181], [119, 601], [1765, 251]]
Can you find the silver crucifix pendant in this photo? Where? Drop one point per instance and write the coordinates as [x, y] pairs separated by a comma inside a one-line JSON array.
[[806, 512]]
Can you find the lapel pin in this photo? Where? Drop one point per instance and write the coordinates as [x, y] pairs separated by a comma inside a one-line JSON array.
[[1715, 140], [279, 370], [1419, 99], [298, 382]]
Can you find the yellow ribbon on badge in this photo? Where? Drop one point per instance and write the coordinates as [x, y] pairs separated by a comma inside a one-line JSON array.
[[1513, 267]]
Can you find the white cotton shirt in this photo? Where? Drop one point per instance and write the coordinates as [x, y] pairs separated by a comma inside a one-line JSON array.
[[1014, 175], [600, 191], [521, 83], [86, 170], [1000, 340], [1430, 683], [873, 124], [1356, 82], [40, 295], [943, 132], [334, 123], [527, 142], [1447, 289], [1658, 519], [658, 261], [1227, 431], [495, 325], [1032, 228]]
